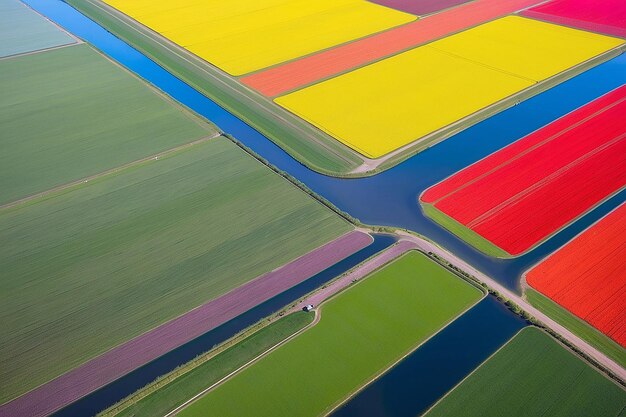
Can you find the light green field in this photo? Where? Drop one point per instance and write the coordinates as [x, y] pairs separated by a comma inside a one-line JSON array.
[[89, 267], [24, 30], [362, 332], [170, 396], [533, 375], [579, 327], [463, 232], [70, 113]]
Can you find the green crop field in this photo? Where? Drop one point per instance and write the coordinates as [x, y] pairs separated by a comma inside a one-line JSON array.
[[89, 267], [317, 149], [533, 375], [581, 328], [362, 332], [175, 393], [23, 30], [70, 113]]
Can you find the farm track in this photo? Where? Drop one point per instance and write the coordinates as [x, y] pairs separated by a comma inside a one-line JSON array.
[[576, 341], [96, 373], [107, 172], [407, 243]]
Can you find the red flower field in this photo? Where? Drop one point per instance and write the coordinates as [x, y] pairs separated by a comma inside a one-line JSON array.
[[527, 191], [587, 277]]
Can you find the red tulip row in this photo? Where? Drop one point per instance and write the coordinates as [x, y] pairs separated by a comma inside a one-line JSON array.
[[587, 276]]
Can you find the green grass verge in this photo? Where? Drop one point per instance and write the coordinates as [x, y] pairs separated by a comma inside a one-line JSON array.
[[463, 232], [533, 375], [304, 142], [579, 327], [70, 113], [91, 266], [160, 399], [362, 332]]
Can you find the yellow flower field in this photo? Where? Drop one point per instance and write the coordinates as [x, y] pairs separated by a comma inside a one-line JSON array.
[[389, 104], [248, 35]]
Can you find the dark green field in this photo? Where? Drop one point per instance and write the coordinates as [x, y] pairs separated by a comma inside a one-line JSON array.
[[533, 375], [581, 328], [70, 113], [170, 396], [362, 331], [89, 267]]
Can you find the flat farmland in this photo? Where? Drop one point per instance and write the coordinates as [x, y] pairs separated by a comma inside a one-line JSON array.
[[522, 194], [362, 331], [164, 399], [70, 113], [297, 74], [89, 267], [586, 276], [533, 375], [384, 106], [606, 16], [245, 36], [23, 30]]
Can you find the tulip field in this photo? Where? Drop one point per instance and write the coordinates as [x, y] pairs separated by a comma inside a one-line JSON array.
[[586, 276], [250, 35], [458, 75], [520, 195], [327, 208], [606, 16]]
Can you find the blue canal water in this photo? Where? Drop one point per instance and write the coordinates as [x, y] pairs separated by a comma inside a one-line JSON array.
[[389, 198], [424, 376], [126, 385]]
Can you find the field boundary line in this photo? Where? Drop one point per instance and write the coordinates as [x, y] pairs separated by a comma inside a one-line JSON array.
[[38, 51], [527, 150], [53, 23], [523, 280], [601, 361], [306, 300], [212, 74], [380, 374], [111, 171], [505, 344], [198, 316], [544, 182], [245, 365]]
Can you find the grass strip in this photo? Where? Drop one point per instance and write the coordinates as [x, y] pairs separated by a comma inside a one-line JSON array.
[[533, 375], [463, 232], [94, 265], [319, 151], [70, 113], [173, 390], [577, 326], [363, 331]]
